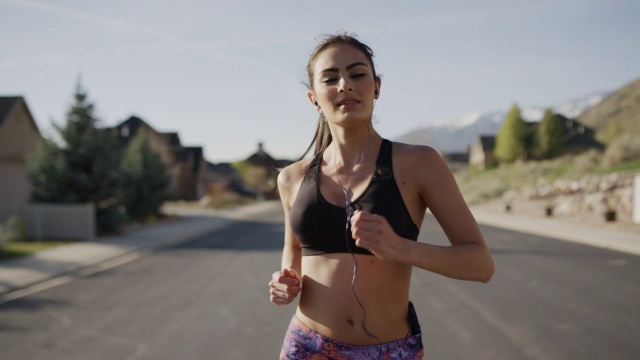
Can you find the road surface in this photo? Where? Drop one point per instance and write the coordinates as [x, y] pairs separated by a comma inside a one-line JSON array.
[[208, 299]]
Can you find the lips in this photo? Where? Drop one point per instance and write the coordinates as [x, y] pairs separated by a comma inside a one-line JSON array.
[[348, 101]]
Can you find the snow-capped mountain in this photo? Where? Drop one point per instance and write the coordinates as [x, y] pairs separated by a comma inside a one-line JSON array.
[[461, 132]]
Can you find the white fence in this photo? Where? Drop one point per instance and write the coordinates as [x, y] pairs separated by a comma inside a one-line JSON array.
[[53, 221]]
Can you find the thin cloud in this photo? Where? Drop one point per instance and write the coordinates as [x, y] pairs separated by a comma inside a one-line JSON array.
[[114, 24], [212, 50], [40, 59]]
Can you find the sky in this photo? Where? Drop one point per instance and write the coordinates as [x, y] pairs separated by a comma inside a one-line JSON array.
[[226, 75]]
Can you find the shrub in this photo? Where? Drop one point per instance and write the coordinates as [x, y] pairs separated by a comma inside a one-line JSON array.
[[12, 230], [625, 148]]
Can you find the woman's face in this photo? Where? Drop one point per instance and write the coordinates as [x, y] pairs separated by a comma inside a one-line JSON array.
[[343, 84]]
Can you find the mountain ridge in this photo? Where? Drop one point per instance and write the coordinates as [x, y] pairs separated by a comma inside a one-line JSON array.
[[617, 116], [463, 131]]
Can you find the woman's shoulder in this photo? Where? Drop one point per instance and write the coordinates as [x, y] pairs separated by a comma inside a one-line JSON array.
[[412, 153], [420, 162], [290, 178], [293, 173]]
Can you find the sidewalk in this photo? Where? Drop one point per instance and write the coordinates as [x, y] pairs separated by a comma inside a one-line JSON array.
[[79, 259], [82, 258], [584, 233]]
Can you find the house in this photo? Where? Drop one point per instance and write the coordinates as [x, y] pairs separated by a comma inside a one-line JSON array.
[[222, 173], [185, 165], [19, 136], [192, 181], [576, 138], [226, 176], [224, 186], [481, 153], [260, 173], [456, 160]]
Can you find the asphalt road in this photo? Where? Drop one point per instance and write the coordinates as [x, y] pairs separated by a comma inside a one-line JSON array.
[[208, 299]]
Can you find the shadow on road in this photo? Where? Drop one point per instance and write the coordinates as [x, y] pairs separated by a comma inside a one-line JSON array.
[[27, 304], [548, 253], [239, 236], [31, 303]]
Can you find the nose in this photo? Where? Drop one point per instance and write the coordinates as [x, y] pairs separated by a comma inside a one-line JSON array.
[[344, 84]]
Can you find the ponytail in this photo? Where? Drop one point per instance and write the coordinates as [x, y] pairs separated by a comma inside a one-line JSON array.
[[322, 138]]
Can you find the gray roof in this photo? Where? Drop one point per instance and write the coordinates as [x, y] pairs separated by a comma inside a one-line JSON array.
[[7, 103], [488, 142]]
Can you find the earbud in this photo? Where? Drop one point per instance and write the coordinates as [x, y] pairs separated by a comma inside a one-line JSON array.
[[315, 103]]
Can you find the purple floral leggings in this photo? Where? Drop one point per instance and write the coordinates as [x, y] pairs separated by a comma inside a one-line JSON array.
[[302, 343]]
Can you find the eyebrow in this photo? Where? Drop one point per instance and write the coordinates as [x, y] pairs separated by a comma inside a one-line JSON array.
[[349, 67]]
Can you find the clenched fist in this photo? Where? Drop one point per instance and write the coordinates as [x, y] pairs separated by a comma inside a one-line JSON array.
[[284, 286]]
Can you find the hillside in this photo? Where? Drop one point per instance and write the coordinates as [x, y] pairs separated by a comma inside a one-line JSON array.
[[618, 115]]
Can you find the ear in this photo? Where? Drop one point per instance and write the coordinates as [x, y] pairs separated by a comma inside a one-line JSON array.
[[312, 98], [378, 82]]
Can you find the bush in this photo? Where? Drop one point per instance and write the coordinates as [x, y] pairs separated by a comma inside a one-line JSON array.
[[588, 161], [12, 230], [623, 149]]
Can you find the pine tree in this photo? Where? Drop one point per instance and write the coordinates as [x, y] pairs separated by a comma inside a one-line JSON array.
[[145, 180], [44, 167], [548, 140], [510, 142], [82, 168]]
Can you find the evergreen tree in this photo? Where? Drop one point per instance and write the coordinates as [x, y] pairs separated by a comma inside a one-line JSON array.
[[510, 142], [44, 166], [145, 180], [82, 168], [548, 138]]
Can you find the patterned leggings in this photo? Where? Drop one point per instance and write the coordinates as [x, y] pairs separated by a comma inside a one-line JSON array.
[[302, 343]]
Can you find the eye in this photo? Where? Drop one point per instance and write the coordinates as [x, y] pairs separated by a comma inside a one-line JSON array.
[[357, 75], [329, 80]]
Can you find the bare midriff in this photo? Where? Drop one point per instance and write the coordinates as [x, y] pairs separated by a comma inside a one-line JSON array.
[[328, 305]]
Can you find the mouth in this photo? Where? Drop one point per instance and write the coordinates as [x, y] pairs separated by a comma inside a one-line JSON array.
[[348, 102]]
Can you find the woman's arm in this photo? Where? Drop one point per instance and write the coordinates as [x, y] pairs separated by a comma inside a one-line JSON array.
[[467, 258], [285, 284]]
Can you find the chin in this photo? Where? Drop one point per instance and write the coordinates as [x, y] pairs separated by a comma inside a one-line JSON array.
[[352, 116]]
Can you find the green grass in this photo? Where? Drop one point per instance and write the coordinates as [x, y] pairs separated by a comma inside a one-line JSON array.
[[633, 165], [23, 248]]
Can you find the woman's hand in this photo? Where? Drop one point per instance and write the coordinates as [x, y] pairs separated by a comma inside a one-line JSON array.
[[373, 232], [284, 286]]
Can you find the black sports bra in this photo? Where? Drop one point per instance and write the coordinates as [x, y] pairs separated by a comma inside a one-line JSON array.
[[320, 225]]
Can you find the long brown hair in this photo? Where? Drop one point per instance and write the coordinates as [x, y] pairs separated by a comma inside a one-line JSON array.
[[322, 137]]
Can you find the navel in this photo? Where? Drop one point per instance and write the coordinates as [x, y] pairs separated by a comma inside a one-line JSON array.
[[350, 322]]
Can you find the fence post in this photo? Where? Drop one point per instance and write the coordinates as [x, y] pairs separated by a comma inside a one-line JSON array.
[[636, 199], [37, 214], [91, 221]]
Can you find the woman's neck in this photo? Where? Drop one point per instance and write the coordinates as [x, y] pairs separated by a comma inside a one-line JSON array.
[[349, 149]]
